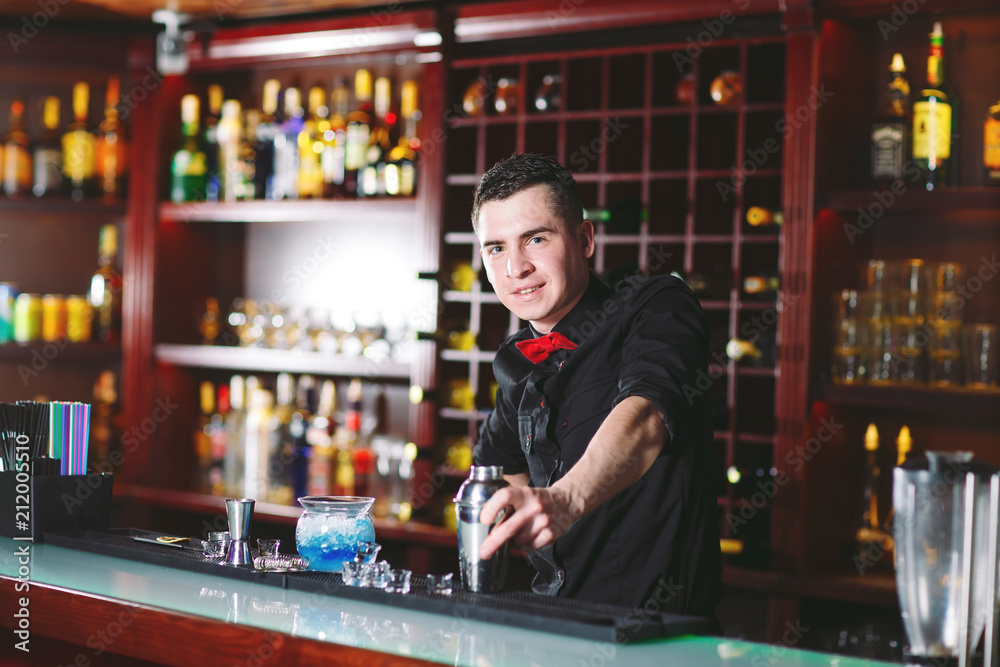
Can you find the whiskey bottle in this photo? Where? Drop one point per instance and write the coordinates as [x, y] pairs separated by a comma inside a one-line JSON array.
[[47, 153], [889, 136], [334, 140], [105, 295], [229, 170], [214, 173], [401, 172], [189, 166], [286, 148], [17, 171], [310, 146], [79, 146], [268, 129], [932, 119], [111, 151], [871, 540], [991, 145], [372, 180], [359, 123]]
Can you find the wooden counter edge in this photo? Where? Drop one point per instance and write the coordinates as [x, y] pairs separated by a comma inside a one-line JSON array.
[[98, 623]]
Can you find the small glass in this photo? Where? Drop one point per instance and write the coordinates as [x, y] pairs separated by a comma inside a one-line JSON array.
[[945, 355], [440, 584], [848, 346], [980, 347], [215, 548], [268, 546]]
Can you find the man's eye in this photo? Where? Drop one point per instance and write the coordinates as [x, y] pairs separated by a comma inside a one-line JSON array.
[[536, 240], [494, 250]]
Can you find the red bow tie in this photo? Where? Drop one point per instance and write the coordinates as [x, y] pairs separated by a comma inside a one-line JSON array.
[[538, 350]]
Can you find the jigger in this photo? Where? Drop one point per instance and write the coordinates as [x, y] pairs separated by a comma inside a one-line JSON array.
[[239, 512]]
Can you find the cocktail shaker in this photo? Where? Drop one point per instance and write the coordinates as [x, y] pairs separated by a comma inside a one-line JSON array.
[[478, 575]]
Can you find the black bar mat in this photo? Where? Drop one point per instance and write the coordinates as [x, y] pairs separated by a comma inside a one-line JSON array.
[[597, 622]]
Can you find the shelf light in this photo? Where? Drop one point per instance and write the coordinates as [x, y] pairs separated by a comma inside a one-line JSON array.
[[432, 57], [427, 38]]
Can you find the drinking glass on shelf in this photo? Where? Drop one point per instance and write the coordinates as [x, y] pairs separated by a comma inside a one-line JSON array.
[[980, 347], [876, 276], [946, 276], [877, 337], [908, 336], [848, 364], [944, 347]]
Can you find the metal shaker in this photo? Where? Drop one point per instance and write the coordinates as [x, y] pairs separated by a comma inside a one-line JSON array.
[[479, 576]]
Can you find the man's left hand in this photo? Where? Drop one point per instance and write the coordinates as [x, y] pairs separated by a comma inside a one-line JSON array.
[[539, 517]]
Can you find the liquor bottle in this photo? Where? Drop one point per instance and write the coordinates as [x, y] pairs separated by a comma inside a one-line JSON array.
[[189, 166], [105, 295], [362, 458], [102, 423], [228, 168], [213, 115], [17, 171], [889, 139], [268, 129], [286, 148], [932, 119], [48, 151], [372, 181], [334, 141], [219, 438], [359, 122], [203, 437], [256, 459], [235, 437], [904, 443], [870, 538], [322, 459], [306, 405], [79, 145], [111, 151], [282, 445], [991, 145], [401, 172], [761, 286], [758, 216], [247, 156], [310, 146]]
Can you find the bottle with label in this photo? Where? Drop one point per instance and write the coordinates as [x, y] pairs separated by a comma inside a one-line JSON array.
[[48, 152], [401, 172], [889, 139], [372, 181], [286, 148], [932, 120], [871, 540], [991, 145], [203, 437], [213, 178], [247, 157], [306, 404], [334, 140], [235, 437], [79, 146], [105, 295], [282, 445], [322, 459], [218, 438], [228, 135], [268, 128], [17, 170], [310, 145], [189, 166], [111, 151], [359, 123]]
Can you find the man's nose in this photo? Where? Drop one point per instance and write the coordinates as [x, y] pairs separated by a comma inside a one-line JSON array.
[[517, 265]]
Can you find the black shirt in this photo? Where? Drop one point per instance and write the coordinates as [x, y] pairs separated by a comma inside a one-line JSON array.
[[659, 538]]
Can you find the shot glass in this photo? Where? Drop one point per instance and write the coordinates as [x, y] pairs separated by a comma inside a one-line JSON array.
[[440, 584], [398, 581], [268, 546], [980, 347], [848, 345]]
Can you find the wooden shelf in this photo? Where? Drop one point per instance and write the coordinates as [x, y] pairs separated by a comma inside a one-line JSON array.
[[202, 503], [914, 399], [305, 210], [953, 199], [277, 361], [97, 353], [43, 206], [601, 114]]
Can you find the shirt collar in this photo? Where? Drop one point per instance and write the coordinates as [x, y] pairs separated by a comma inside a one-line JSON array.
[[590, 303]]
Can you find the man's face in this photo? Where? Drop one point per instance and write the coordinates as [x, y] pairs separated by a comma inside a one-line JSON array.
[[537, 266]]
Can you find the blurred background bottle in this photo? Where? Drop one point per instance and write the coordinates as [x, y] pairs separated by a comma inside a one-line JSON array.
[[111, 151], [79, 145], [47, 154]]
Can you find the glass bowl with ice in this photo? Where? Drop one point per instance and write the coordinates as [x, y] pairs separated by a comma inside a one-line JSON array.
[[330, 529]]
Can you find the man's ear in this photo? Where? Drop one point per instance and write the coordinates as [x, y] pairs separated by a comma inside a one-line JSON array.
[[586, 236]]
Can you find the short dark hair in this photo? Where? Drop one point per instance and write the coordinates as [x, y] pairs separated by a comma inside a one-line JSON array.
[[524, 170]]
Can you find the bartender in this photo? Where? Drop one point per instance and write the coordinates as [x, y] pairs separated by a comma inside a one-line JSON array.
[[603, 437]]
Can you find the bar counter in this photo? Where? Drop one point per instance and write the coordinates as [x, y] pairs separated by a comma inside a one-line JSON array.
[[102, 605]]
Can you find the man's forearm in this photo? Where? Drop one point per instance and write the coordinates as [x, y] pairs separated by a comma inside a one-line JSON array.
[[622, 450]]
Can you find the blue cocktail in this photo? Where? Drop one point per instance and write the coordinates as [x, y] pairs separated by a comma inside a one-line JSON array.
[[330, 529]]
